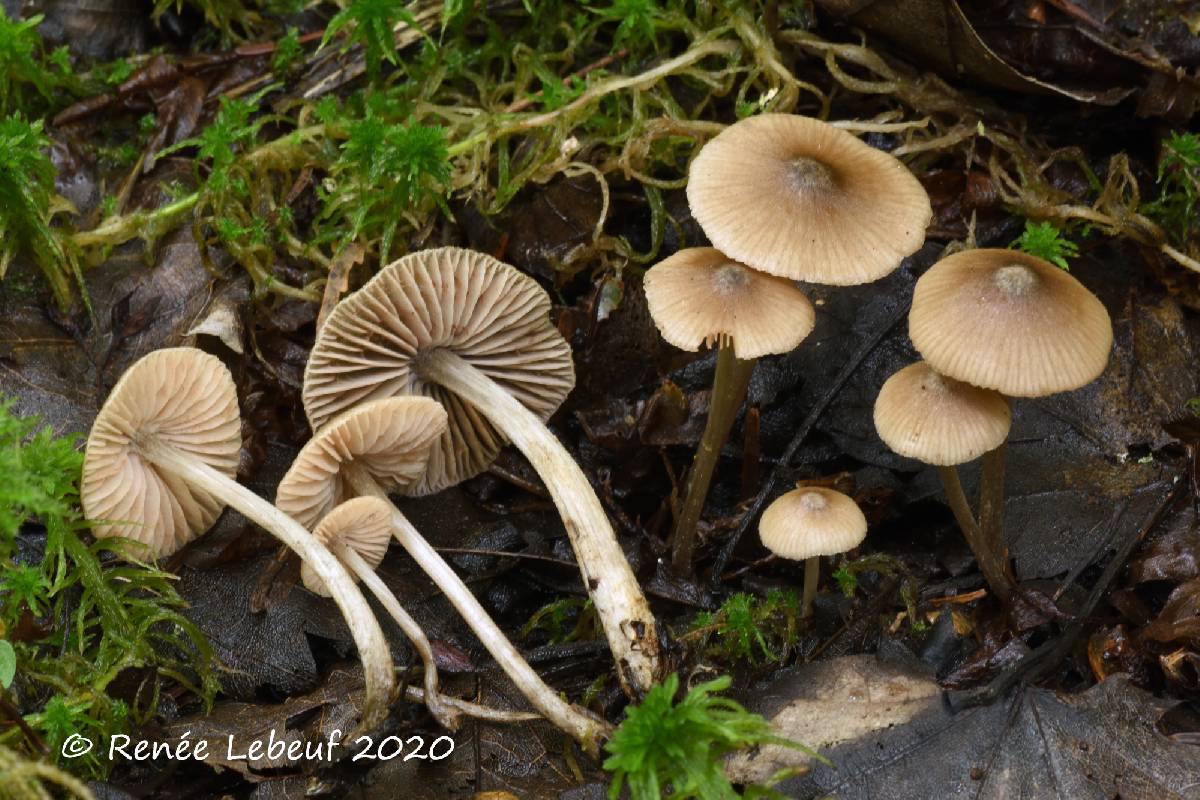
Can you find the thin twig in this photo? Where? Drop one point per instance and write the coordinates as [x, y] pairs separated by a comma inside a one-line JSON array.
[[474, 551], [1038, 663]]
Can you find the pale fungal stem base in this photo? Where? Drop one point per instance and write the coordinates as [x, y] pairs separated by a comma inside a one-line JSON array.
[[485, 713], [620, 605], [729, 389], [812, 575], [991, 564], [446, 716], [581, 727], [378, 673]]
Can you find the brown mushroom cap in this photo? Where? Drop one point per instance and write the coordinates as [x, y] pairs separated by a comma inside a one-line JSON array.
[[699, 295], [938, 420], [186, 399], [799, 198], [391, 439], [363, 524], [1008, 321], [483, 310], [812, 521]]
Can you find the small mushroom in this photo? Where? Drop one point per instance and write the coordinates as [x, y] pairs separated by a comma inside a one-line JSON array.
[[357, 532], [808, 523], [1008, 321], [797, 197], [385, 443], [699, 296], [474, 334], [940, 421], [159, 469]]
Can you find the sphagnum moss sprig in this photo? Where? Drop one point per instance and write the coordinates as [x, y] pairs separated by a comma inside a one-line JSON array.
[[117, 618], [675, 749], [28, 203]]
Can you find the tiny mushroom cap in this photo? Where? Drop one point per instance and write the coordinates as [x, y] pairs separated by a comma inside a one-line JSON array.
[[363, 524], [938, 420], [183, 398], [1008, 321], [699, 295], [812, 521], [391, 439], [799, 198], [481, 309]]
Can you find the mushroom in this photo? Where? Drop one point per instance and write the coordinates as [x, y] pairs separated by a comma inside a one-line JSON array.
[[1011, 322], [807, 523], [699, 296], [374, 445], [159, 467], [358, 532], [474, 334], [799, 198], [937, 420]]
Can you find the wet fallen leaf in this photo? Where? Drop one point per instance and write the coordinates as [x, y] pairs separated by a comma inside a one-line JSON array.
[[941, 35], [1102, 743], [1173, 555], [307, 723], [1179, 620]]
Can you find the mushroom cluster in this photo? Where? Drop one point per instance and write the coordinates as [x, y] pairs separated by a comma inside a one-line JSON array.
[[159, 468], [782, 198], [991, 325], [414, 384]]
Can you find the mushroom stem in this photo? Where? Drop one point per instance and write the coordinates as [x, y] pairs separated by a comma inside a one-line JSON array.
[[378, 673], [988, 557], [446, 716], [620, 605], [812, 576], [575, 722], [991, 507], [729, 389], [417, 695]]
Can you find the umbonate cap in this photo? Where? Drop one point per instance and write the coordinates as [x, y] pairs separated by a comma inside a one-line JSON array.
[[698, 296], [363, 524], [938, 420], [1008, 321], [799, 198], [812, 521], [391, 439], [486, 312], [185, 399]]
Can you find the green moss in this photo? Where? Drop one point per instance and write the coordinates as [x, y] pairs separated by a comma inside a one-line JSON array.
[[370, 23], [749, 629], [232, 19], [1178, 187], [666, 748], [28, 204], [87, 617], [1043, 240], [23, 72]]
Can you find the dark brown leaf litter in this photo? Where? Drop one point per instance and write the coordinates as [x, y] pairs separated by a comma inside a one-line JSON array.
[[889, 734], [1092, 52]]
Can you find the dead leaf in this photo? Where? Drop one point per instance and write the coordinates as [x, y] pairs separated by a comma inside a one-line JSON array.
[[939, 33], [307, 723], [830, 703], [339, 279], [1179, 620], [221, 320], [1100, 744]]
